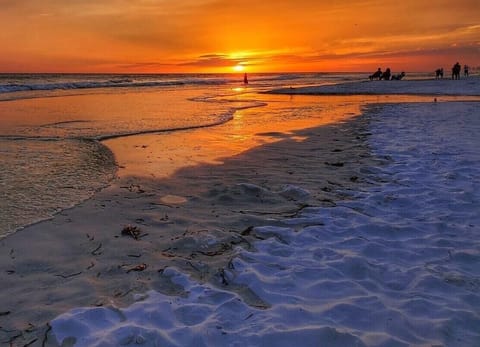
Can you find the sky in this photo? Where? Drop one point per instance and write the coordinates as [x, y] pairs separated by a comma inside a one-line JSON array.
[[162, 36]]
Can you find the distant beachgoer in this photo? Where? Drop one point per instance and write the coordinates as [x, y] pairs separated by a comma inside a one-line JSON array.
[[386, 75], [376, 75], [456, 71], [465, 70], [245, 78], [439, 73], [399, 76]]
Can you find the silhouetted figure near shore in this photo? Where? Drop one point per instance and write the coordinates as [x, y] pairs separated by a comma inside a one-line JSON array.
[[399, 76], [386, 75], [376, 75], [465, 70], [245, 78], [439, 73], [456, 71]]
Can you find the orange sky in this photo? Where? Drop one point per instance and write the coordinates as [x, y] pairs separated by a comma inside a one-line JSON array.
[[215, 35]]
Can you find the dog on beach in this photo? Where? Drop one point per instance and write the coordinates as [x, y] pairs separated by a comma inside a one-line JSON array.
[[399, 76]]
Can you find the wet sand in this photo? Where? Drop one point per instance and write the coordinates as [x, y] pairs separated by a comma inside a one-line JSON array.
[[392, 263], [190, 218]]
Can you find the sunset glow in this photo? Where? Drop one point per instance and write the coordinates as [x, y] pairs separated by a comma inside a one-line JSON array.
[[239, 68], [221, 36]]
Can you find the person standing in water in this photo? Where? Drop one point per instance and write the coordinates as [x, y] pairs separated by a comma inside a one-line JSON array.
[[245, 79]]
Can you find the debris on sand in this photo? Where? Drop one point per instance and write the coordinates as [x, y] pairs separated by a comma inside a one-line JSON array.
[[139, 267], [132, 231]]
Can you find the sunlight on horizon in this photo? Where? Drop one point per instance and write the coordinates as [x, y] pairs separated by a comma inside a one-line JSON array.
[[239, 68]]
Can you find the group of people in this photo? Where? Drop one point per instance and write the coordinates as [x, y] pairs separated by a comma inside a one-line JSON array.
[[386, 75], [455, 71]]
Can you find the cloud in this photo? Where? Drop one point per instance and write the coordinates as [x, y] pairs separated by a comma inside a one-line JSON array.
[[212, 60]]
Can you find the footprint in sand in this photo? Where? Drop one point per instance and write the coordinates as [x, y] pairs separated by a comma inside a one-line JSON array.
[[173, 199]]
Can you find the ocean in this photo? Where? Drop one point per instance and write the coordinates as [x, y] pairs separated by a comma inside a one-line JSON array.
[[52, 127]]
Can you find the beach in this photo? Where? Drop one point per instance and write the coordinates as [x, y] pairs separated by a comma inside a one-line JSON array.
[[351, 224]]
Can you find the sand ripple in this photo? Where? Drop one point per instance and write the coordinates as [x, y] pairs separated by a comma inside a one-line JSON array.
[[397, 266]]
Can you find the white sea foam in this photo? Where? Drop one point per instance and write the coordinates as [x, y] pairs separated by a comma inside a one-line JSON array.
[[109, 82], [397, 266], [13, 83]]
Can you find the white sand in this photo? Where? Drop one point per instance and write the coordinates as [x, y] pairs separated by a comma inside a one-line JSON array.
[[396, 264], [466, 86]]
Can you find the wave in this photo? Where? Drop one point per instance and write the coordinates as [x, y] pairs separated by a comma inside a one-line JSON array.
[[43, 176], [225, 118], [10, 83], [111, 83], [107, 133], [107, 136]]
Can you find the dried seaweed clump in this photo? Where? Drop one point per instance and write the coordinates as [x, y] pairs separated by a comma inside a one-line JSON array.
[[132, 231]]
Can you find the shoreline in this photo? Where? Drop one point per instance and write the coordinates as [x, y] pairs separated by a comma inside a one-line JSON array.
[[137, 139], [80, 258], [359, 270], [434, 87]]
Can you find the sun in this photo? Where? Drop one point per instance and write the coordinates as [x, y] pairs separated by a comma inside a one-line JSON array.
[[239, 68]]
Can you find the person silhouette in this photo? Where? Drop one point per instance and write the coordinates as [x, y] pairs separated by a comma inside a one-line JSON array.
[[245, 78], [456, 71], [465, 70], [439, 73], [376, 75], [386, 75]]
